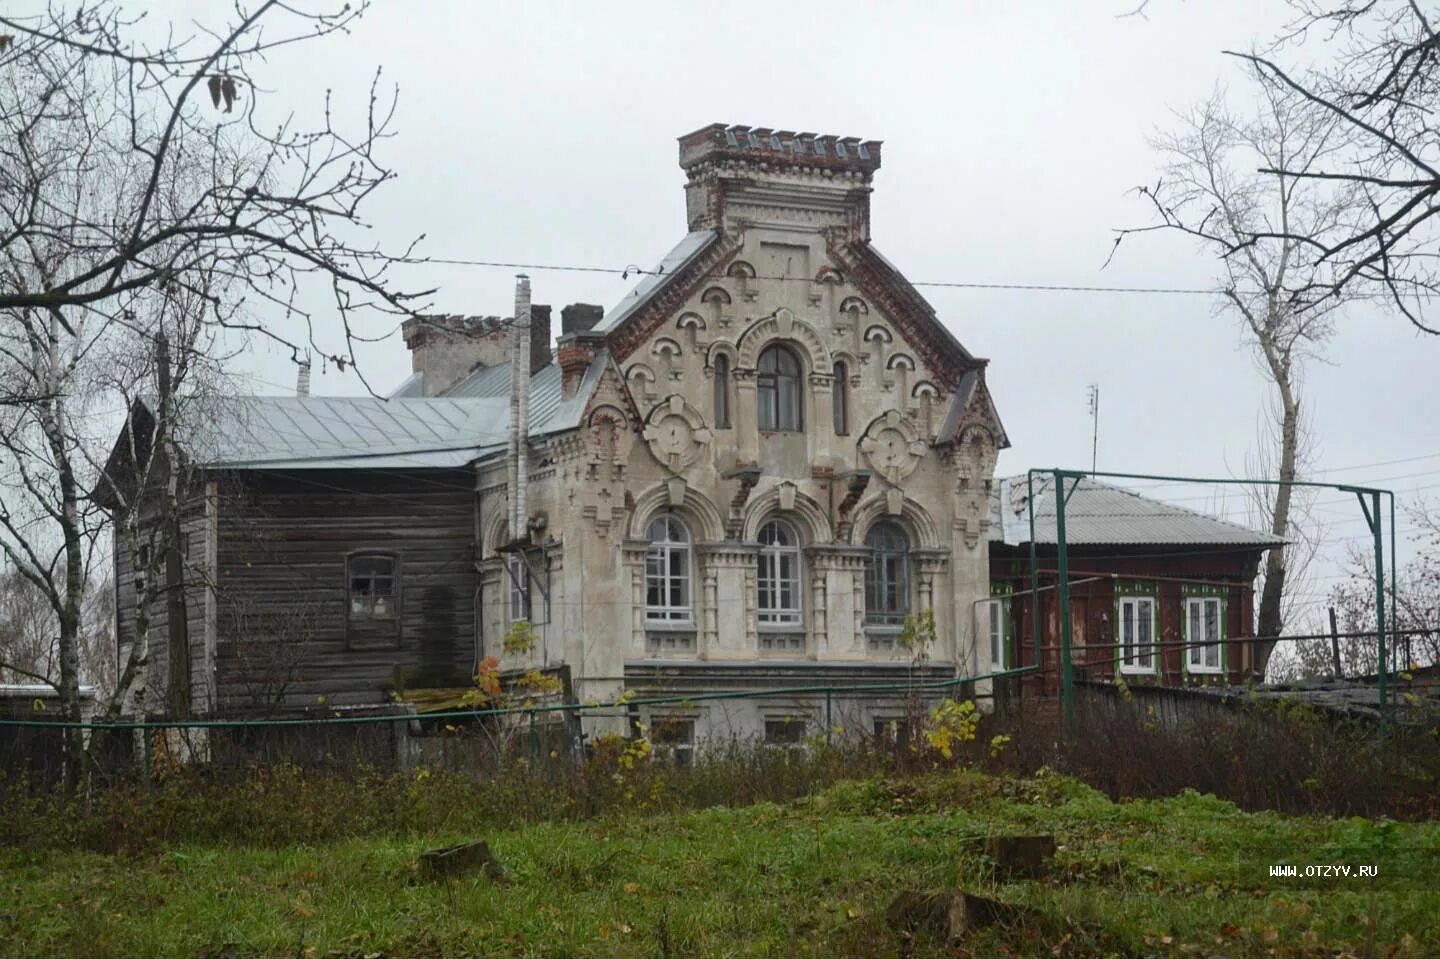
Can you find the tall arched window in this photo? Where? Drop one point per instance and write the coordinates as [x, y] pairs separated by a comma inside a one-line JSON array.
[[839, 397], [667, 571], [777, 387], [722, 392], [887, 580], [778, 581]]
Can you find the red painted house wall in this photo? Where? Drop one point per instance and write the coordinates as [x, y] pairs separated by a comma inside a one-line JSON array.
[[1095, 573]]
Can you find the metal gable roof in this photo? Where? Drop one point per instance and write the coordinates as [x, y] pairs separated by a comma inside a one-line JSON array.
[[327, 432], [1099, 514], [651, 283]]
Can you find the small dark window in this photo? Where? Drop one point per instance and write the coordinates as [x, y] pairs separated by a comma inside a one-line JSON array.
[[892, 734], [887, 579], [674, 739], [839, 398], [784, 732], [722, 392], [372, 587], [777, 387]]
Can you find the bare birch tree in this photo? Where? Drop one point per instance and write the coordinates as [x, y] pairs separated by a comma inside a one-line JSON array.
[[1381, 90], [1254, 224]]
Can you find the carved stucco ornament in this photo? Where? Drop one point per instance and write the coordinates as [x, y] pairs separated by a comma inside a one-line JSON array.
[[893, 446], [676, 433]]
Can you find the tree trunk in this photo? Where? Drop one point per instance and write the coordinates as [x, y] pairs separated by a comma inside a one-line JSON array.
[[1270, 621]]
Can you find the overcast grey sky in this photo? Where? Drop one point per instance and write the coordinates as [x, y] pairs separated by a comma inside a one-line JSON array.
[[545, 133]]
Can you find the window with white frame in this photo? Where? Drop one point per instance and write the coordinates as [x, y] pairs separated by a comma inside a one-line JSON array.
[[1137, 634], [1203, 632], [887, 578], [667, 572], [517, 574], [778, 578], [994, 623]]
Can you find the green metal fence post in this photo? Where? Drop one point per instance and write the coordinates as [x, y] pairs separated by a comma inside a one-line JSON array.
[[1380, 602], [1067, 692], [1034, 567], [829, 725]]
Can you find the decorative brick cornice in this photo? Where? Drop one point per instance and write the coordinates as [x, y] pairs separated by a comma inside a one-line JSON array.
[[907, 309], [667, 301]]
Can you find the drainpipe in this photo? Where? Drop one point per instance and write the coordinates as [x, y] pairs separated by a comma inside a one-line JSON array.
[[520, 408]]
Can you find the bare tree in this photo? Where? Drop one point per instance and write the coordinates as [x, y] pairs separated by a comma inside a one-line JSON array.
[[1381, 90], [144, 191], [1414, 632], [1210, 191], [280, 202]]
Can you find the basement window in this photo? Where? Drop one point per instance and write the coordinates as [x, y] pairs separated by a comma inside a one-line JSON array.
[[673, 740], [784, 732], [372, 580]]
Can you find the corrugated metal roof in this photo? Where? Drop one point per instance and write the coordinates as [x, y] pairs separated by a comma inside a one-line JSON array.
[[1099, 514], [651, 283], [328, 432]]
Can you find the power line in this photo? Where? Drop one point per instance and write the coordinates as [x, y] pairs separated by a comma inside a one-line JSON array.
[[628, 271]]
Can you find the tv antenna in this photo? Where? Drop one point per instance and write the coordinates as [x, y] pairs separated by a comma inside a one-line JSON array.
[[1094, 393]]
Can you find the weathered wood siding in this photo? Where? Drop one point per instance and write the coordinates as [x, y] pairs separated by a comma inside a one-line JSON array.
[[198, 529], [284, 635], [1092, 608]]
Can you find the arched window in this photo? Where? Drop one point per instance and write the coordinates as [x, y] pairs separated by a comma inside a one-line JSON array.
[[777, 386], [667, 571], [839, 397], [722, 392], [778, 581], [887, 580]]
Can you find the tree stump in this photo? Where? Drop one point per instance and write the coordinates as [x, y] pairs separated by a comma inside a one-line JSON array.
[[1020, 857], [463, 859]]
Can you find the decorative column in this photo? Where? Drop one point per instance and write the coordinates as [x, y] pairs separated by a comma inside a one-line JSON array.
[[634, 552], [746, 420]]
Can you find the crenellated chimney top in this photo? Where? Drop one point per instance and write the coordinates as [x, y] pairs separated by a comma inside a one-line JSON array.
[[823, 179]]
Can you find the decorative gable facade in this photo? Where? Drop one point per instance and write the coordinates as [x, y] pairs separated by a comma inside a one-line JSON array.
[[782, 454]]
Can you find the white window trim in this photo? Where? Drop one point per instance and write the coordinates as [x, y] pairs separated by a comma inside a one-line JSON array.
[[1194, 646], [517, 578], [779, 618], [994, 618], [1120, 649], [663, 615]]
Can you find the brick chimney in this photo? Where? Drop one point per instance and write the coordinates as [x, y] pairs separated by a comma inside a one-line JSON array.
[[580, 317], [824, 179], [575, 352], [449, 348], [539, 337]]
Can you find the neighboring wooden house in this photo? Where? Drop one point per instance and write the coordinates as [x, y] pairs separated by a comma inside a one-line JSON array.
[[1159, 594]]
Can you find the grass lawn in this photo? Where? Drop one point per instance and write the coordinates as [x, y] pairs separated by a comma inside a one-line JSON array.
[[1187, 876]]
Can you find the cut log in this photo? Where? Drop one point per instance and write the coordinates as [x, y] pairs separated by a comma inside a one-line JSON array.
[[949, 914], [1020, 857], [464, 859]]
